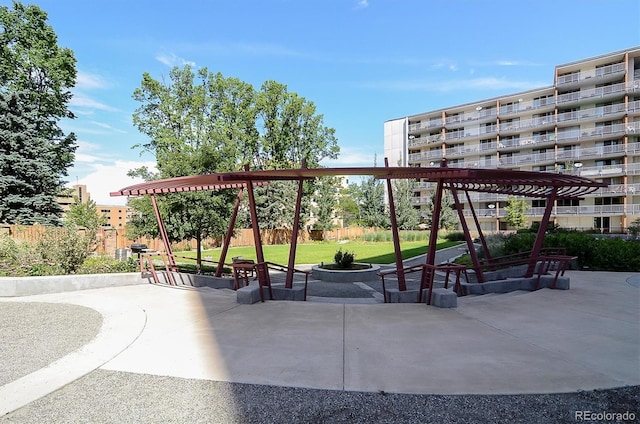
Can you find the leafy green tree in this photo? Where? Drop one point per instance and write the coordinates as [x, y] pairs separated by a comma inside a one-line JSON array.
[[290, 130], [85, 215], [35, 81], [194, 127], [516, 212], [200, 123], [407, 217]]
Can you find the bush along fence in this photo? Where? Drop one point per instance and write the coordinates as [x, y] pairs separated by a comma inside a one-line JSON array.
[[109, 240]]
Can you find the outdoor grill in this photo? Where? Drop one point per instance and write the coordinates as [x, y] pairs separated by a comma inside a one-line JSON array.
[[138, 248]]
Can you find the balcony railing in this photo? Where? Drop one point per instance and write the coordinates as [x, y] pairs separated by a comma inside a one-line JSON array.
[[423, 141], [614, 69]]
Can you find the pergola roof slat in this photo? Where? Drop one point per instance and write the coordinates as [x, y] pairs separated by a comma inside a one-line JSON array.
[[524, 183]]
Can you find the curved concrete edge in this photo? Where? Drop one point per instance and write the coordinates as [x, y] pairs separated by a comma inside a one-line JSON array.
[[121, 326]]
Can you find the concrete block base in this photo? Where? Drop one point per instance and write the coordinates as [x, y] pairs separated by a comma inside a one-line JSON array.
[[407, 296], [509, 285], [295, 293], [251, 294], [444, 298], [440, 297], [194, 280]]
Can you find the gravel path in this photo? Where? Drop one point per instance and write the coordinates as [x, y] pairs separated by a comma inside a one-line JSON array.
[[117, 397], [33, 335]]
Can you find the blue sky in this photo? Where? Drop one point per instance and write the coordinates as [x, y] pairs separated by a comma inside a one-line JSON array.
[[362, 62]]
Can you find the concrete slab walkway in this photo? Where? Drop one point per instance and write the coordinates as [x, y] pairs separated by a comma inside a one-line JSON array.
[[541, 342]]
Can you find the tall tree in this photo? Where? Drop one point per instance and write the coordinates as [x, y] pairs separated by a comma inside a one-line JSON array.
[[516, 212], [325, 203], [370, 195], [36, 76], [290, 130], [347, 207], [407, 216], [196, 124], [202, 122], [448, 217]]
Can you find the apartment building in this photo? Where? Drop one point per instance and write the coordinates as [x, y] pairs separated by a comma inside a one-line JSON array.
[[117, 216], [587, 123]]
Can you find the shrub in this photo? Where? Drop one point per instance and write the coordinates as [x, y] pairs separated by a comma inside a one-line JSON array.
[[63, 248], [456, 236], [343, 259], [103, 264]]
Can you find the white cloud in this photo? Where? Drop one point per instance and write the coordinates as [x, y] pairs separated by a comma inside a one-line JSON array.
[[456, 85], [88, 81], [83, 101], [351, 157], [362, 4], [104, 178], [172, 60]]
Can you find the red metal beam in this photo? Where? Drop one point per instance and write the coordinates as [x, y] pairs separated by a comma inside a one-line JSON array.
[[229, 235], [483, 241], [467, 236], [402, 284], [537, 246], [294, 237], [165, 240], [257, 240]]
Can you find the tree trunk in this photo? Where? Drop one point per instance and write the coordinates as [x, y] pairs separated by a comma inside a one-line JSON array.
[[199, 255]]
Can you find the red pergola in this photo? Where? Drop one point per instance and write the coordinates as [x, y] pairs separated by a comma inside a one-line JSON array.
[[551, 186]]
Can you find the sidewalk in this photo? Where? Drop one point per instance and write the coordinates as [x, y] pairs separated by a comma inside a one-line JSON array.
[[548, 341]]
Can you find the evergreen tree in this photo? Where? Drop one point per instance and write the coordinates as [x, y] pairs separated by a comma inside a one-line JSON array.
[[326, 198], [35, 80], [29, 183], [407, 217], [448, 216], [373, 212]]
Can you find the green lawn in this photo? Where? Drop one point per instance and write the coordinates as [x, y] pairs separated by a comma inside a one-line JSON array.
[[314, 253]]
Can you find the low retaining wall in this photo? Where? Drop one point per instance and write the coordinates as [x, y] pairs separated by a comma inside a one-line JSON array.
[[195, 280], [28, 286], [345, 276]]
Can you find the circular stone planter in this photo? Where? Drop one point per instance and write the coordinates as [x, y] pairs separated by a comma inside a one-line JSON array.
[[345, 275]]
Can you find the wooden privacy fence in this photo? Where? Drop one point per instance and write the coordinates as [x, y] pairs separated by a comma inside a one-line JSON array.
[[111, 239]]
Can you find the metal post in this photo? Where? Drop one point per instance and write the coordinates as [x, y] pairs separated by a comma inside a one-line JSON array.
[[229, 235], [165, 240], [483, 241], [294, 237], [467, 235], [254, 220], [535, 252], [402, 285]]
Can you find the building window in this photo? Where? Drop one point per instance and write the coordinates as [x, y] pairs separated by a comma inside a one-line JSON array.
[[568, 202]]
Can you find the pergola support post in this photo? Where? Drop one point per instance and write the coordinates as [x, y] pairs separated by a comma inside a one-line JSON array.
[[483, 240], [254, 220], [402, 284], [229, 235], [537, 246], [294, 237], [467, 235], [165, 239]]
